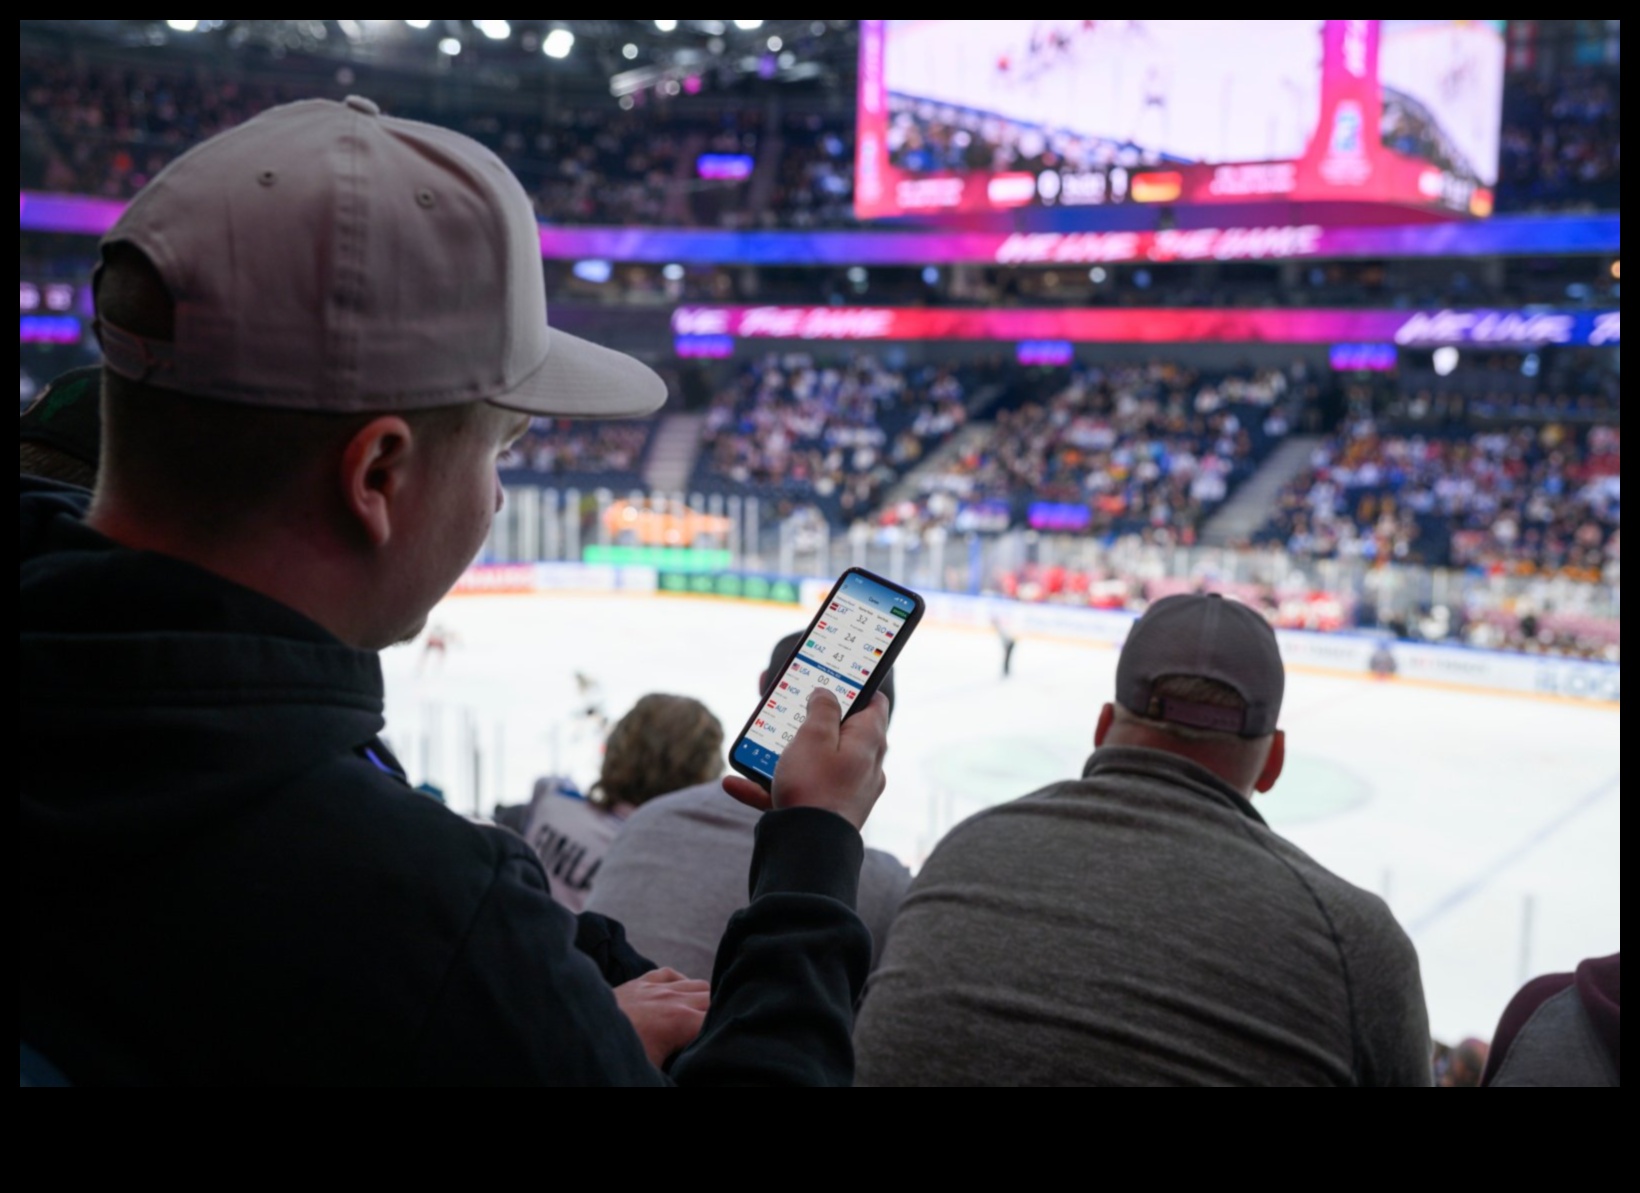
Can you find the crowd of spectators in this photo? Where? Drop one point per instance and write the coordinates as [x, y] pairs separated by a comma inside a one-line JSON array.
[[1531, 500], [1562, 142], [815, 185], [604, 452], [1151, 449], [103, 129], [1292, 606], [838, 434], [1515, 626], [928, 138]]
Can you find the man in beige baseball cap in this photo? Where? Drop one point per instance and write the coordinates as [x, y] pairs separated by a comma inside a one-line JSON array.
[[321, 330]]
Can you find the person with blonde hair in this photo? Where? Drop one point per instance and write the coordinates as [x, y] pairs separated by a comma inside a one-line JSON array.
[[665, 744], [673, 879]]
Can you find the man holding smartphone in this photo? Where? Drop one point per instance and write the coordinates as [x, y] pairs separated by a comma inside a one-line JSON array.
[[322, 330]]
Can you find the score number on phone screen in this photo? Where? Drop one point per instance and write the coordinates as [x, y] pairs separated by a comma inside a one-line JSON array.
[[842, 655]]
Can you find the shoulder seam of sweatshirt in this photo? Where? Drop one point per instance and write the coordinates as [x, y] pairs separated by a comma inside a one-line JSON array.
[[1337, 943]]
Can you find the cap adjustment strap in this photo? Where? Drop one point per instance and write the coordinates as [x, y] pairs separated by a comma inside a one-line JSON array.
[[133, 357], [1206, 717]]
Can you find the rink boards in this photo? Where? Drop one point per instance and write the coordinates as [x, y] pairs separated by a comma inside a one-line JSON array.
[[1460, 668]]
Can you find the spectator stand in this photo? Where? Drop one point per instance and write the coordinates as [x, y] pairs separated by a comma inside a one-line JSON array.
[[1146, 450], [585, 455], [836, 437]]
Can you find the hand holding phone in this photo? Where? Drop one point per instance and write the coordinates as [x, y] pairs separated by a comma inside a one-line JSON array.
[[831, 764], [848, 650]]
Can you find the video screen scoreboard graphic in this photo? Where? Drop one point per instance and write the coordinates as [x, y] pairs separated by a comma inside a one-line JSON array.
[[973, 116]]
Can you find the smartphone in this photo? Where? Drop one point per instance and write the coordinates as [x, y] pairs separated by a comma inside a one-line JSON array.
[[850, 648]]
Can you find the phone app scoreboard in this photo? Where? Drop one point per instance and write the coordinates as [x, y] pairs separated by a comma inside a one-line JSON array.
[[841, 655]]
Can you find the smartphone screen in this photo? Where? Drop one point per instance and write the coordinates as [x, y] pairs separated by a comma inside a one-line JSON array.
[[849, 650]]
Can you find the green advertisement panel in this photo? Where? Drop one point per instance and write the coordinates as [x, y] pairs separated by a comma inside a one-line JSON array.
[[662, 559], [732, 586]]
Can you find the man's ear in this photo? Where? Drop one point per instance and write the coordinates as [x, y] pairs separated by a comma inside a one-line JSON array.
[[1107, 721], [1276, 763], [374, 475]]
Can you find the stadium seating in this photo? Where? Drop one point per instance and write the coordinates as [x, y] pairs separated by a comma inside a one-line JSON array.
[[1528, 501], [835, 435], [1149, 450], [1562, 142], [585, 454], [98, 128]]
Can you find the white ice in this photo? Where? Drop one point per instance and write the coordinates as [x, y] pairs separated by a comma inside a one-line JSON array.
[[1491, 823]]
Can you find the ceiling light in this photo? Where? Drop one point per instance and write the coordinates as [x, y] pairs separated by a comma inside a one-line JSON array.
[[666, 26], [776, 45], [494, 30], [449, 47], [183, 26], [629, 51], [748, 26], [420, 24], [558, 43], [674, 273], [1446, 361]]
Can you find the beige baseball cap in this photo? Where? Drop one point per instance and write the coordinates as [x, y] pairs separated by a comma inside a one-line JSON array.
[[325, 257]]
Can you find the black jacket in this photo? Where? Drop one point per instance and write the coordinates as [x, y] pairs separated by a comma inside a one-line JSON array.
[[224, 880]]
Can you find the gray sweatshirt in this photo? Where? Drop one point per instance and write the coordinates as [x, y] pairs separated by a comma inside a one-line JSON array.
[[1142, 927], [676, 876]]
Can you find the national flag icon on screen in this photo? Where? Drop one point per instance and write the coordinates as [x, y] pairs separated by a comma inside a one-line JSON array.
[[771, 704], [785, 687], [762, 724], [822, 625], [878, 653], [835, 608]]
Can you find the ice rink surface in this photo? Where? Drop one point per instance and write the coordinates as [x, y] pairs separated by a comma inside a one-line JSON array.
[[1491, 823]]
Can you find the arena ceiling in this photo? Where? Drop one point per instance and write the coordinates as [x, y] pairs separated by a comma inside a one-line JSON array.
[[626, 56]]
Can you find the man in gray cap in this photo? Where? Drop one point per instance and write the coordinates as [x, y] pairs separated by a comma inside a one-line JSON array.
[[321, 331], [1144, 926]]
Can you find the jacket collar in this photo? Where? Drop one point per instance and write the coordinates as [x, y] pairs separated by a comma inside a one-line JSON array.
[[1177, 772]]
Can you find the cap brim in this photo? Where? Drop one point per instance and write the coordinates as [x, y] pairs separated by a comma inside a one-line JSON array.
[[580, 379]]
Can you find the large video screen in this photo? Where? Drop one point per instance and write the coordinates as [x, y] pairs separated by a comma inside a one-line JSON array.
[[973, 116]]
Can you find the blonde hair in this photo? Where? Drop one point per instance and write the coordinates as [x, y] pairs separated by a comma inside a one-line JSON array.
[[664, 745]]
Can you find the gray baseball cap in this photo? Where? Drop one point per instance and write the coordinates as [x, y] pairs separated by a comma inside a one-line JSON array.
[[1204, 637], [324, 257]]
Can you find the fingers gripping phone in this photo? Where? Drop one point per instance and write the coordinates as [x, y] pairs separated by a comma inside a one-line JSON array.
[[850, 648]]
